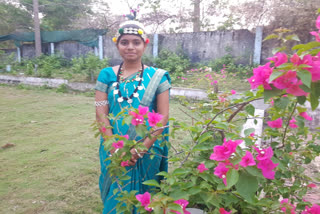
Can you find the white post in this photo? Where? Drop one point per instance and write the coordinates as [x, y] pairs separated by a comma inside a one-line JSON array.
[[19, 54], [258, 45], [52, 48], [96, 51], [155, 45], [100, 48]]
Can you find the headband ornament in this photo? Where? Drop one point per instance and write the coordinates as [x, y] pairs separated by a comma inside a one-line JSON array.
[[131, 28]]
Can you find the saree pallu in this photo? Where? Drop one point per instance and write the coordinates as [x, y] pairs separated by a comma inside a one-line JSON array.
[[155, 81]]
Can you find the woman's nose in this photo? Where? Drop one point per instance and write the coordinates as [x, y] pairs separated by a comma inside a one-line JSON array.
[[130, 45]]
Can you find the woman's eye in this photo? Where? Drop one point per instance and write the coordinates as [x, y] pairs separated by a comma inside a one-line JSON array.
[[137, 43], [123, 43]]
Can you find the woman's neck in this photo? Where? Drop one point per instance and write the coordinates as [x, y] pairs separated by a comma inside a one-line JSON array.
[[131, 67]]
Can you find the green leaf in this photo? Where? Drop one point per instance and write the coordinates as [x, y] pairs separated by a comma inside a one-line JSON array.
[[205, 137], [194, 190], [254, 171], [278, 49], [163, 173], [247, 132], [202, 147], [292, 37], [250, 109], [305, 77], [305, 88], [271, 93], [285, 66], [141, 130], [151, 183], [181, 171], [127, 120], [221, 126], [282, 103], [175, 207], [247, 186], [314, 101], [275, 75], [232, 178], [301, 100], [271, 36], [179, 194]]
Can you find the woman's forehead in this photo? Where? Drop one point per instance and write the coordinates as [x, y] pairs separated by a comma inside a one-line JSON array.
[[130, 37]]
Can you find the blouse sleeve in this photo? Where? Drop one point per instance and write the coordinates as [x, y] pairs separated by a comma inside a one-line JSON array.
[[165, 84], [103, 80]]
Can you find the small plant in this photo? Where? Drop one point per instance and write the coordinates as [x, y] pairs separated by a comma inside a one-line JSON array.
[[172, 62]]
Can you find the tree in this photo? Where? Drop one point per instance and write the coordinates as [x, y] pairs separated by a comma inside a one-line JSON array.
[[37, 35], [59, 14]]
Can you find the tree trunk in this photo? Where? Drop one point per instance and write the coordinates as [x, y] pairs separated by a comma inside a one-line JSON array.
[[196, 16], [36, 20]]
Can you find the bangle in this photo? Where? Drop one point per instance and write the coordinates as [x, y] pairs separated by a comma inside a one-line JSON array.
[[140, 156], [101, 103]]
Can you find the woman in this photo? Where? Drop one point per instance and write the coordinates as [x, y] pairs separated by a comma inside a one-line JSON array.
[[131, 84]]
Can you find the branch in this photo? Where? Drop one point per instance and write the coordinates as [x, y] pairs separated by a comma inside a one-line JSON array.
[[236, 112], [285, 131], [187, 114]]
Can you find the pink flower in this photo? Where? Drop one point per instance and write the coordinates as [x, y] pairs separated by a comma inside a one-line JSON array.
[[264, 154], [247, 160], [318, 23], [223, 152], [315, 209], [222, 99], [215, 82], [252, 134], [103, 129], [305, 116], [137, 119], [295, 59], [126, 136], [286, 205], [144, 200], [233, 92], [143, 110], [221, 171], [279, 59], [267, 167], [202, 167], [261, 77], [316, 35], [223, 211], [183, 203], [296, 90], [154, 118], [272, 102], [292, 123], [312, 185], [275, 123], [118, 145], [125, 163], [178, 77], [286, 81]]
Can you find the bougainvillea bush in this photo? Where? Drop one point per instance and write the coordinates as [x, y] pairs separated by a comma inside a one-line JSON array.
[[223, 171]]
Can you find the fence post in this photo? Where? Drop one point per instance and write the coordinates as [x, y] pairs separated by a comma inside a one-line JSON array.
[[19, 54], [96, 51], [100, 48], [51, 48], [258, 45], [155, 45]]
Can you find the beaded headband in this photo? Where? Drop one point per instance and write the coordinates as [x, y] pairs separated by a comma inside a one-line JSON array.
[[132, 28]]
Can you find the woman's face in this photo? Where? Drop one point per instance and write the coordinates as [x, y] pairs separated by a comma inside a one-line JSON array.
[[131, 47]]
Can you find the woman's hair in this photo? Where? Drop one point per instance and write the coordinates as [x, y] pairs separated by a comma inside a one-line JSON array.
[[131, 28]]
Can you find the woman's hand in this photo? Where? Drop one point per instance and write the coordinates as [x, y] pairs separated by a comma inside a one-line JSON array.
[[135, 155]]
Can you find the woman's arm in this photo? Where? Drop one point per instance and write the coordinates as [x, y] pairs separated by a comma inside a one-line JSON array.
[[102, 112]]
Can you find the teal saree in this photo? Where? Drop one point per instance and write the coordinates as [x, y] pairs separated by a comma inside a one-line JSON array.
[[155, 81]]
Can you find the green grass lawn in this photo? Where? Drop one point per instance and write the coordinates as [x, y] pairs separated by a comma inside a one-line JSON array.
[[54, 165]]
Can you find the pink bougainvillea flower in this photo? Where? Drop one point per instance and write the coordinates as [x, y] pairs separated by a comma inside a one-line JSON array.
[[261, 77], [215, 82], [247, 160], [252, 134], [137, 119], [125, 163], [223, 152], [267, 167], [296, 90], [316, 35], [318, 23], [126, 136], [221, 171], [292, 123], [286, 80], [314, 70], [154, 118], [315, 209], [118, 145], [222, 99], [295, 59], [272, 102], [233, 92], [279, 58], [275, 123], [223, 211], [202, 167], [143, 110], [183, 203], [312, 185], [144, 200], [264, 154], [305, 116], [286, 207], [103, 129]]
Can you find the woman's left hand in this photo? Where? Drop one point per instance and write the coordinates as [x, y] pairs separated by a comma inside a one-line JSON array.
[[135, 155]]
